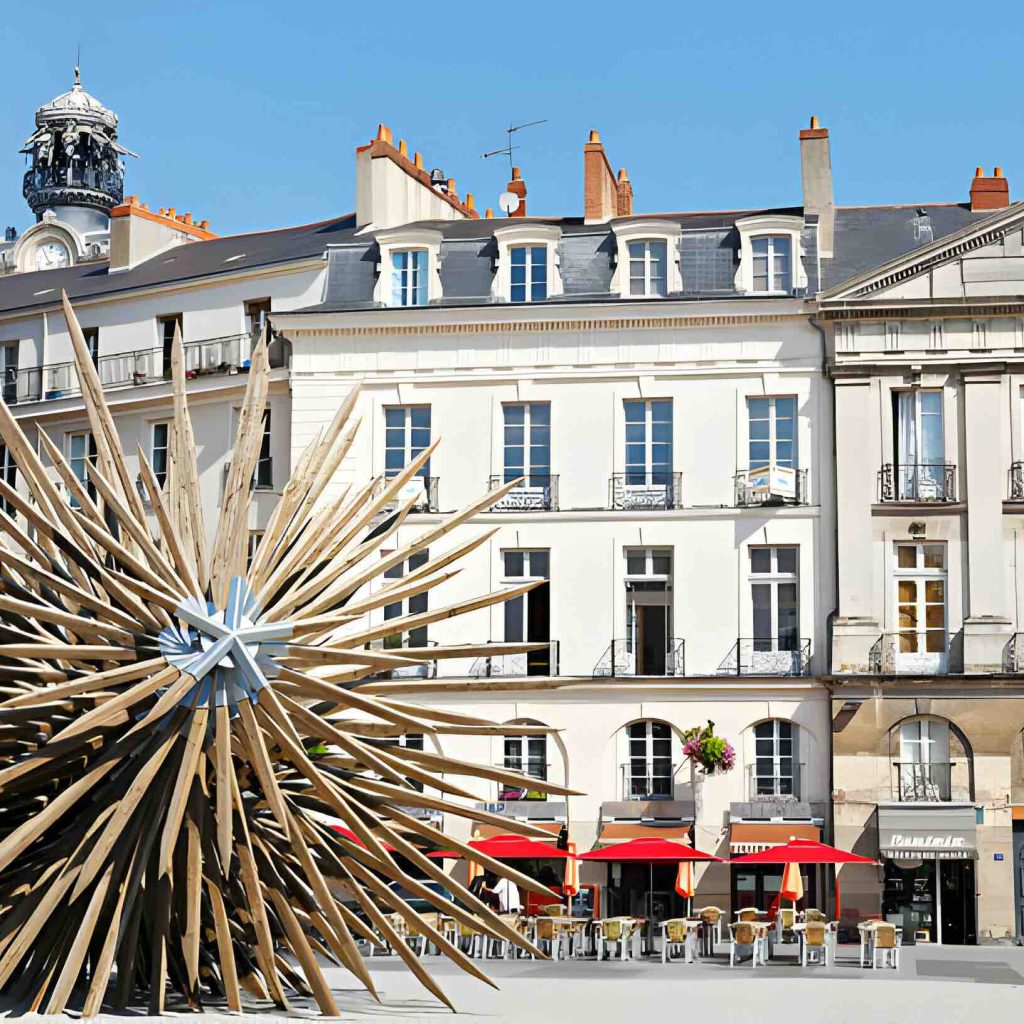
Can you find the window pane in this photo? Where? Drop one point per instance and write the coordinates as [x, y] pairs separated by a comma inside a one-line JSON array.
[[518, 255], [661, 564], [760, 560], [761, 596], [786, 559], [906, 556], [934, 556], [513, 563], [636, 563]]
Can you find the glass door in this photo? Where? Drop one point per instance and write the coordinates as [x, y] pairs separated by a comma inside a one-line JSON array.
[[920, 446], [920, 578]]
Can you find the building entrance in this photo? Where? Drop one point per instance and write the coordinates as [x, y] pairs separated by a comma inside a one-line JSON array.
[[934, 900]]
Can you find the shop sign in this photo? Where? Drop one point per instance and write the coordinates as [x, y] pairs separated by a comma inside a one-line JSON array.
[[928, 842]]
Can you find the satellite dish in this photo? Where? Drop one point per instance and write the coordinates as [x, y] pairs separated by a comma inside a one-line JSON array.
[[508, 202]]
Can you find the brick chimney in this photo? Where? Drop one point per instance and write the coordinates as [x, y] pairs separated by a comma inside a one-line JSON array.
[[989, 193], [625, 194], [601, 194], [816, 175], [518, 187]]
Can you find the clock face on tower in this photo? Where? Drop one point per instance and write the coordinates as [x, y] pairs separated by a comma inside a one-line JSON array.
[[51, 255]]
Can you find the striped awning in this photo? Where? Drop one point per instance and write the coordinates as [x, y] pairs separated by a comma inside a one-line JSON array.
[[754, 836], [624, 831]]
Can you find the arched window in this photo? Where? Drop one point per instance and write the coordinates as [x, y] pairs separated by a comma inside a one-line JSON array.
[[527, 755], [923, 765], [776, 766], [648, 771]]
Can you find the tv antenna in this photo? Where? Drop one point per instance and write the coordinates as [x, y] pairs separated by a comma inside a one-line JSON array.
[[509, 148]]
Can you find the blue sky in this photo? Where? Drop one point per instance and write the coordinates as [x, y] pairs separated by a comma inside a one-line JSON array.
[[249, 113]]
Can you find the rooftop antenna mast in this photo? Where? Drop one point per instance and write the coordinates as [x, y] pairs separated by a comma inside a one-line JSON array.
[[509, 148]]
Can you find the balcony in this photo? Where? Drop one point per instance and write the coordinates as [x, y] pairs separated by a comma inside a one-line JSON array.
[[1016, 489], [1013, 655], [639, 491], [752, 656], [528, 663], [421, 488], [648, 779], [537, 493], [621, 659], [396, 644], [535, 769], [770, 485], [915, 782], [923, 483], [211, 357], [909, 653]]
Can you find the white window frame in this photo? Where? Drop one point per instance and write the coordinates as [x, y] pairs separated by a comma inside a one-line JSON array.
[[532, 235], [519, 663], [83, 479], [528, 427], [521, 759], [154, 448], [764, 656], [925, 761], [773, 439], [644, 229], [406, 239], [409, 285], [921, 660], [750, 228], [649, 758], [776, 758]]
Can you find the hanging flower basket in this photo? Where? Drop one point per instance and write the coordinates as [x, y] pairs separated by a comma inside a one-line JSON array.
[[712, 754]]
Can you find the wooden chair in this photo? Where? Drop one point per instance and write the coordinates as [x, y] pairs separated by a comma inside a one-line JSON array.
[[745, 933], [416, 937], [548, 934], [614, 930], [815, 947], [477, 940], [886, 946], [711, 918], [678, 934]]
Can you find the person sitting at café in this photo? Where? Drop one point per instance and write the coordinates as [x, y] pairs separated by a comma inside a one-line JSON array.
[[483, 887], [508, 896]]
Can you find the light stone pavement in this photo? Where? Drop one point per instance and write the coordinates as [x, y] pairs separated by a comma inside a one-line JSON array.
[[933, 986]]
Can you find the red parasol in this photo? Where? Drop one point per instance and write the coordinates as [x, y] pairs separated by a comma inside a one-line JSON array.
[[653, 850], [510, 847], [347, 833], [802, 851]]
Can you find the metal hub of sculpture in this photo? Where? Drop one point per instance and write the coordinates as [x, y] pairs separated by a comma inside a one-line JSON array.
[[180, 727]]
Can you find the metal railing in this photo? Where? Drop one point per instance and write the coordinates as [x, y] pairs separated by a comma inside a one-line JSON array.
[[639, 491], [527, 663], [620, 659], [394, 644], [423, 488], [891, 654], [127, 369], [915, 782], [756, 656], [925, 482], [773, 788], [771, 485], [262, 476], [537, 493], [533, 767], [652, 779], [1016, 488], [1013, 654]]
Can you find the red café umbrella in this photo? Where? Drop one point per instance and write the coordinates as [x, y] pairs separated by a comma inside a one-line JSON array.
[[510, 847], [805, 851]]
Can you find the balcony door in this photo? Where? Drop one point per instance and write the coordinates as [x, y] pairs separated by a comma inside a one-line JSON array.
[[920, 447], [649, 643], [648, 456], [775, 648], [528, 617], [771, 455], [920, 598], [924, 765], [649, 769], [527, 443], [406, 435]]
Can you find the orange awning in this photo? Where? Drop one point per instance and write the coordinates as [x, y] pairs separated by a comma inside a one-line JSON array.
[[624, 831], [754, 836]]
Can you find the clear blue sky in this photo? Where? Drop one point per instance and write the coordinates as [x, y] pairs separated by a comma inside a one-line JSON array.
[[249, 113]]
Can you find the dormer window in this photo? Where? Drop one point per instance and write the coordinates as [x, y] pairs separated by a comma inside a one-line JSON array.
[[528, 273], [409, 271], [647, 271], [526, 266], [646, 258], [409, 277], [773, 267]]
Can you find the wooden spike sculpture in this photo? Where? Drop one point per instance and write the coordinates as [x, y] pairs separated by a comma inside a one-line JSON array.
[[177, 730]]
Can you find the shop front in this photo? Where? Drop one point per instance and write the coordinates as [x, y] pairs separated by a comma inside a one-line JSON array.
[[758, 885], [928, 858]]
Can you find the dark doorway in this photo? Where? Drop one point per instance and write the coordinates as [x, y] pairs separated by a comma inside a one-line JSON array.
[[166, 326], [1018, 876], [956, 877], [759, 885], [652, 640], [644, 890]]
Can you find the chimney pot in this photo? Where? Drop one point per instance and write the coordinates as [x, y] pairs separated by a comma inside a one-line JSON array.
[[417, 159], [516, 175], [979, 172], [489, 213], [997, 173], [470, 201], [594, 136], [403, 148], [384, 133], [814, 120], [171, 211], [144, 206], [990, 193], [518, 187], [188, 218], [451, 187], [623, 176]]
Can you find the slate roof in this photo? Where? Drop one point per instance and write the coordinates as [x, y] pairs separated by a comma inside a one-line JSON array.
[[182, 263]]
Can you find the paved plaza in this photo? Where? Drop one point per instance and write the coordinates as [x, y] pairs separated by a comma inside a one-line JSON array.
[[935, 985]]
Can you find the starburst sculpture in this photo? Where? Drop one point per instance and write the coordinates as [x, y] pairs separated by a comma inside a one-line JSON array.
[[179, 729]]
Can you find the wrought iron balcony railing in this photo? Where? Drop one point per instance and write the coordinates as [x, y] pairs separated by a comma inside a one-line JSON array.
[[757, 656], [915, 782], [422, 488], [396, 644], [923, 482], [535, 768], [934, 652], [537, 493], [529, 663], [775, 785], [1016, 489], [1013, 654], [640, 491], [771, 485], [648, 779], [622, 659]]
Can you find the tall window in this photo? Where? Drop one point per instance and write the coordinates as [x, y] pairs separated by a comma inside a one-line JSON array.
[[264, 477], [165, 327], [409, 277], [772, 430], [774, 590], [82, 449], [92, 343], [648, 442], [528, 270], [406, 434], [159, 443], [410, 606], [773, 263], [924, 764], [648, 268], [775, 759], [528, 617], [920, 447], [649, 649], [9, 475], [649, 770], [256, 311], [9, 372], [921, 604], [528, 443], [255, 536]]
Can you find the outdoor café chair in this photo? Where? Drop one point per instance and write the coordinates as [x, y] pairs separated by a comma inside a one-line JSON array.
[[815, 947], [784, 922], [746, 933], [711, 918], [549, 935], [614, 930], [678, 934], [748, 914], [477, 940], [886, 946], [814, 915], [416, 938]]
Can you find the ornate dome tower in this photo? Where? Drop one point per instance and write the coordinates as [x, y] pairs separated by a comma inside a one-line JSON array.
[[76, 169]]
